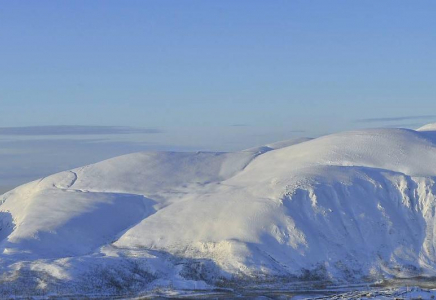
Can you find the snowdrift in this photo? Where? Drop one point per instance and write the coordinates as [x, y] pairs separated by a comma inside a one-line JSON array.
[[349, 207]]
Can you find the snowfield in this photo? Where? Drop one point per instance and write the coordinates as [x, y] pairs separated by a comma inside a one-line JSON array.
[[351, 208]]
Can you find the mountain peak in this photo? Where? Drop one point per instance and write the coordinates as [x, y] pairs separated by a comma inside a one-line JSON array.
[[428, 127], [351, 206]]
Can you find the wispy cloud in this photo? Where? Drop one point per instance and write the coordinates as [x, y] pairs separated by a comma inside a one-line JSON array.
[[396, 119], [74, 130], [404, 125]]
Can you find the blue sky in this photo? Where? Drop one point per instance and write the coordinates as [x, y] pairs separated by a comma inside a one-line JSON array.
[[218, 75]]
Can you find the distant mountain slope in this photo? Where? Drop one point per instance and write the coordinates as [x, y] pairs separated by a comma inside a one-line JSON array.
[[349, 207], [428, 127]]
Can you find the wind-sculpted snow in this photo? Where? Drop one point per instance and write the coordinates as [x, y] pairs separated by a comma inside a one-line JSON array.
[[350, 207]]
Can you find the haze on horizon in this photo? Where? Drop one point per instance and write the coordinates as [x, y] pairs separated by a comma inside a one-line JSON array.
[[85, 81]]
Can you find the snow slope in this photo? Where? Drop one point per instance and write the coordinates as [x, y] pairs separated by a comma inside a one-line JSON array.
[[349, 207]]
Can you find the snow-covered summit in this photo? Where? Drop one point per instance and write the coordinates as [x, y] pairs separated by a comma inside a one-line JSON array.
[[353, 206], [428, 127]]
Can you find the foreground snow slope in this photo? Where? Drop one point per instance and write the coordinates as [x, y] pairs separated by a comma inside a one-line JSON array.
[[353, 206]]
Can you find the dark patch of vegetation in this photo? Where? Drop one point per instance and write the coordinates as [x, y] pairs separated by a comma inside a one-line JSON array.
[[125, 279]]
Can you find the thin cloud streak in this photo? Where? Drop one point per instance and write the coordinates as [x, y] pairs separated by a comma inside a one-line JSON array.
[[74, 130], [404, 118]]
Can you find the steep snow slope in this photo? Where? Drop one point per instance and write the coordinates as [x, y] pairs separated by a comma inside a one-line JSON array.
[[353, 206], [53, 216]]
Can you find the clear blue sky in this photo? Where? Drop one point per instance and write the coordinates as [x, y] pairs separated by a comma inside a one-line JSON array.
[[194, 69]]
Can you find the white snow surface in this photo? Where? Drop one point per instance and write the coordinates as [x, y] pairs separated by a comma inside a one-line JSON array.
[[353, 206], [428, 127]]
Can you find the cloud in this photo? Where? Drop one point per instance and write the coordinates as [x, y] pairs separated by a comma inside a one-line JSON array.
[[396, 119], [404, 125], [74, 130]]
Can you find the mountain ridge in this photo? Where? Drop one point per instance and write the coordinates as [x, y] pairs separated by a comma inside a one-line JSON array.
[[356, 206]]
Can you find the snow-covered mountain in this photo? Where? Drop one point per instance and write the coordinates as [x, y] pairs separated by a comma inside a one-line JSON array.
[[349, 207]]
